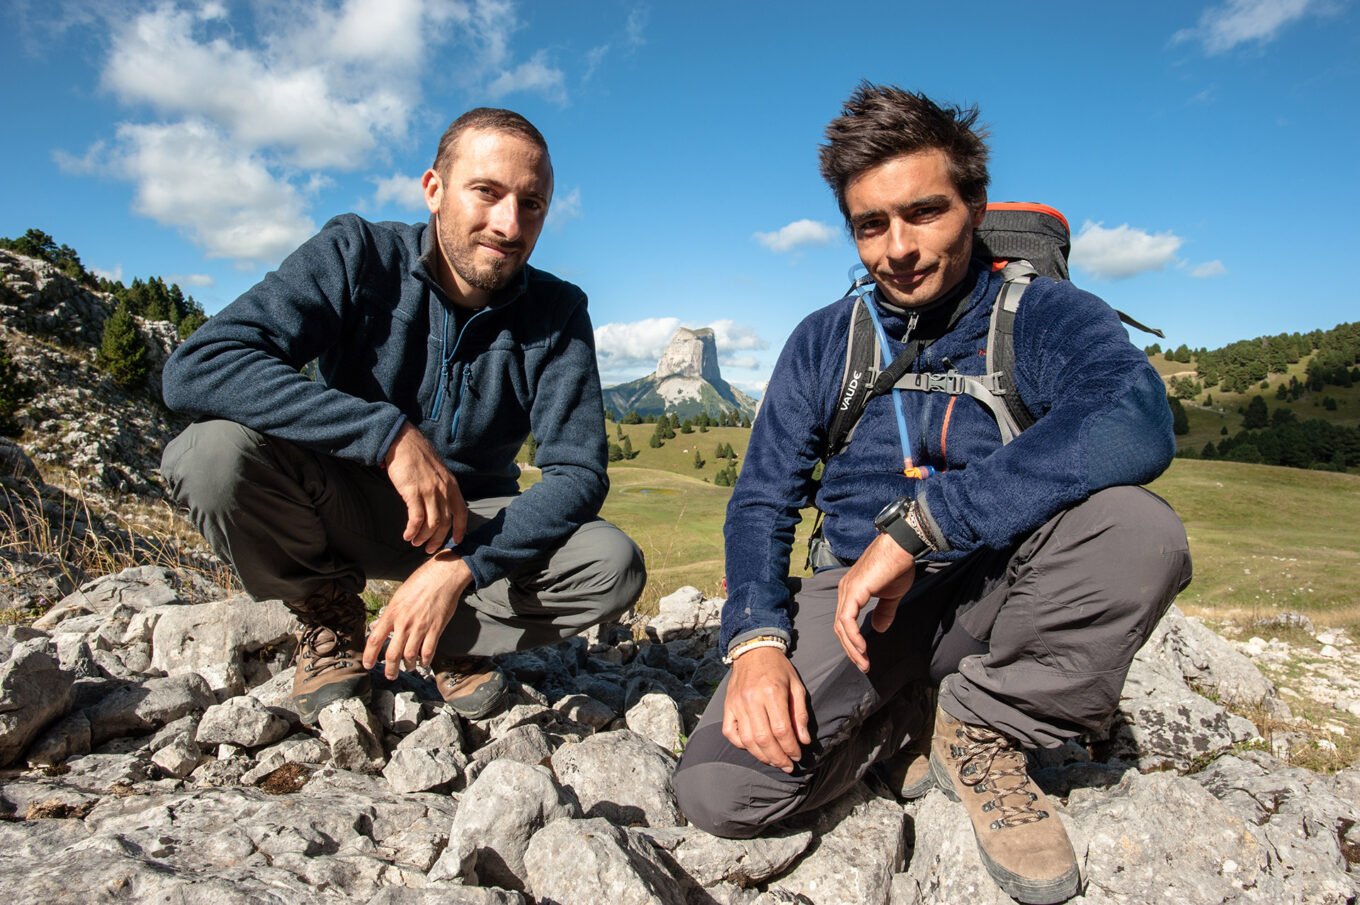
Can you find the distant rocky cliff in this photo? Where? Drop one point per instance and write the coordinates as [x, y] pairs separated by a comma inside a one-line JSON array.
[[81, 482], [686, 381]]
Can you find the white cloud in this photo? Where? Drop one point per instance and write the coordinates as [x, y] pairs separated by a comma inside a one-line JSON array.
[[795, 234], [594, 57], [1122, 251], [749, 362], [1235, 22], [400, 191], [634, 345], [327, 85], [114, 276], [564, 208], [535, 74], [634, 30], [200, 280], [225, 200], [322, 113], [729, 335], [1208, 270]]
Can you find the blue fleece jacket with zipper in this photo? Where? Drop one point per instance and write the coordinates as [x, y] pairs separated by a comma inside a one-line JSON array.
[[362, 299], [1103, 421]]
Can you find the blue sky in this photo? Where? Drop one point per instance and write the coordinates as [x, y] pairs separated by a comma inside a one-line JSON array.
[[1205, 153]]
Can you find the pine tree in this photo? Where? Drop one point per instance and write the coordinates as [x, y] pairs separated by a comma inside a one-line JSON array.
[[627, 447], [1255, 416], [615, 451], [698, 459], [122, 353], [654, 441]]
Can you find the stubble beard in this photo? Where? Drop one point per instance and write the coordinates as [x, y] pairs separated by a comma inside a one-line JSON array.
[[462, 257]]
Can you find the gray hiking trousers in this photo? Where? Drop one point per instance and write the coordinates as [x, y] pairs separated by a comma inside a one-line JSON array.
[[1034, 642], [291, 521]]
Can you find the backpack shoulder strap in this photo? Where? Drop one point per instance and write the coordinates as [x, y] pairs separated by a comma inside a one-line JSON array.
[[857, 379], [1016, 277]]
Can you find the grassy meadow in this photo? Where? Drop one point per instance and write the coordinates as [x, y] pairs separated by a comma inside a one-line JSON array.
[[1264, 539]]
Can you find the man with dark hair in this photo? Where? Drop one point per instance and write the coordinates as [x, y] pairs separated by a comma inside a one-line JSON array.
[[438, 351], [1018, 579]]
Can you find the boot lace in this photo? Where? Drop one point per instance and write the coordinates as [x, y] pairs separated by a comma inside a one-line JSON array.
[[990, 763], [327, 631]]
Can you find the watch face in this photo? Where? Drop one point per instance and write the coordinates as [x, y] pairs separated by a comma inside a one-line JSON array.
[[890, 513]]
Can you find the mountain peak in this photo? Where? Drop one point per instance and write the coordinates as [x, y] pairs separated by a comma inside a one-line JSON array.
[[686, 381], [690, 353]]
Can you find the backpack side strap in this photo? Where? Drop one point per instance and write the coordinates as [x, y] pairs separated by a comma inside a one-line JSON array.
[[1017, 276]]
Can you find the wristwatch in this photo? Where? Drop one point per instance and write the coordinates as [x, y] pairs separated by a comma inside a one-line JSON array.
[[892, 521]]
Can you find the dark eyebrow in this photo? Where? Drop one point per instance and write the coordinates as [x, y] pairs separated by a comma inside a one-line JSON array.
[[497, 184], [906, 209]]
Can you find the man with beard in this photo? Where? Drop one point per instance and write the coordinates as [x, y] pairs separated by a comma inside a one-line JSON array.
[[438, 350]]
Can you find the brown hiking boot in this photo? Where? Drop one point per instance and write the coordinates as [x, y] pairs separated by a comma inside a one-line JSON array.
[[330, 651], [471, 687], [1021, 840]]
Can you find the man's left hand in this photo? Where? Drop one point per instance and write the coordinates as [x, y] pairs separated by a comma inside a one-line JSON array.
[[885, 571], [418, 613]]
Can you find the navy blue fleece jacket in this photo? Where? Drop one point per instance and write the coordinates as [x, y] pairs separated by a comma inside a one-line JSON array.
[[361, 298], [1102, 421]]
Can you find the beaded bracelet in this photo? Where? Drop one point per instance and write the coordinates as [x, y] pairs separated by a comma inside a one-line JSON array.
[[752, 644]]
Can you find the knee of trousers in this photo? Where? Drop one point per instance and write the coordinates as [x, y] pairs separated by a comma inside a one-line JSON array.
[[618, 573], [1138, 531], [203, 465], [712, 796]]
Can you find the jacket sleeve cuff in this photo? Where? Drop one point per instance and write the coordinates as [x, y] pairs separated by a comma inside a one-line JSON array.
[[937, 538], [391, 438]]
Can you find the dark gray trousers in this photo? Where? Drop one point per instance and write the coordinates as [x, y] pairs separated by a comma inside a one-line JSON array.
[[291, 521], [1034, 642]]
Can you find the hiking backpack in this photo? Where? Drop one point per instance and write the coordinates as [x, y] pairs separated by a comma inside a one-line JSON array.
[[1023, 240]]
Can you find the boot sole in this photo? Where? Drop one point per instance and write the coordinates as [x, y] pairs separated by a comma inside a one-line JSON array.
[[310, 705], [482, 702], [1022, 889]]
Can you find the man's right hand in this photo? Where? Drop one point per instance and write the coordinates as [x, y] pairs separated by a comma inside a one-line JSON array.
[[765, 712], [434, 504]]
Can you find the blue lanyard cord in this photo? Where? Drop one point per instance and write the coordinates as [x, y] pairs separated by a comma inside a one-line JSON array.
[[910, 470]]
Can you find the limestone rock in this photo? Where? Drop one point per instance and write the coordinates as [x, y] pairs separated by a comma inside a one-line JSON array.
[[34, 691], [440, 731], [242, 721], [422, 769], [1161, 723], [709, 860], [860, 846], [582, 708], [656, 718], [135, 708], [353, 734], [682, 614], [595, 861], [230, 642], [497, 816], [622, 777]]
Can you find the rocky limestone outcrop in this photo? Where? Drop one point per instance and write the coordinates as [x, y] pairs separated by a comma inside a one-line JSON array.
[[166, 765], [84, 482], [687, 381]]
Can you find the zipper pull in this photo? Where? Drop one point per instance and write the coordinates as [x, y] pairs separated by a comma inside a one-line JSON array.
[[911, 325]]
